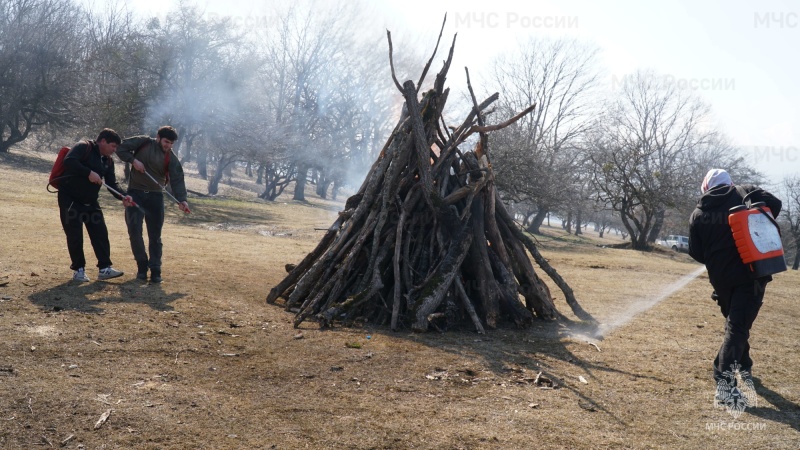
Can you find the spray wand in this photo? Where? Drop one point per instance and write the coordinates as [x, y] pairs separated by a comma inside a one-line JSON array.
[[165, 190], [122, 195]]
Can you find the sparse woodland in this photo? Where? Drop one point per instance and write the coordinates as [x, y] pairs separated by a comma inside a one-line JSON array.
[[304, 105]]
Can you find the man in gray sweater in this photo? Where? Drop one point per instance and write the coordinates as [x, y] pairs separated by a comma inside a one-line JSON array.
[[151, 157]]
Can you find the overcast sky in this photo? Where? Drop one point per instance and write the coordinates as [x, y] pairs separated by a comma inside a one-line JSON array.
[[740, 56]]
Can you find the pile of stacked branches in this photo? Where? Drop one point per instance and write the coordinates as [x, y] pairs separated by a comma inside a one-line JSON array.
[[426, 240]]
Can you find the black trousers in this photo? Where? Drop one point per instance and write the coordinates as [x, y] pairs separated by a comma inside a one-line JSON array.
[[74, 216], [739, 305], [153, 217]]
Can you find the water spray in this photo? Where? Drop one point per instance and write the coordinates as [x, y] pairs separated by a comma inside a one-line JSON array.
[[639, 306]]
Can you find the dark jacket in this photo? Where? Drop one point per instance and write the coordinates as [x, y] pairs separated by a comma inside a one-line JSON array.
[[711, 239], [80, 161], [149, 152]]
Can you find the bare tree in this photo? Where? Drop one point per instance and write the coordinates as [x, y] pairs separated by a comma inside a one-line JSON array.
[[536, 158], [358, 116], [307, 43], [116, 90], [40, 66], [790, 218], [642, 153], [193, 63], [714, 152], [603, 219]]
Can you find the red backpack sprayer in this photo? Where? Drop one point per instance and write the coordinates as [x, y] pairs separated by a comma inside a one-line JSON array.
[[757, 238]]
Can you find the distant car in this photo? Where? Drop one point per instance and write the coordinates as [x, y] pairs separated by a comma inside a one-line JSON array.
[[677, 243]]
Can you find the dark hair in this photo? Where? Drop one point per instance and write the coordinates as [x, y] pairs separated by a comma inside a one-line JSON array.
[[167, 132], [110, 136]]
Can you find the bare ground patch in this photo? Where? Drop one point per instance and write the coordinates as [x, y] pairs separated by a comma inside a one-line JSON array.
[[202, 362]]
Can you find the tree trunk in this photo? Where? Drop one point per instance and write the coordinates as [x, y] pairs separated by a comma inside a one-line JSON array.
[[300, 184], [213, 184], [657, 224], [323, 183], [202, 164], [260, 174], [536, 222], [223, 166], [186, 150]]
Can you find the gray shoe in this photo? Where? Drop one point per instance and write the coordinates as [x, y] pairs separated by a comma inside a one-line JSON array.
[[108, 273], [80, 275]]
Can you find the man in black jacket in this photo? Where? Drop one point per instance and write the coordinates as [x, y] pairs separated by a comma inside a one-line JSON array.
[[737, 292], [87, 165]]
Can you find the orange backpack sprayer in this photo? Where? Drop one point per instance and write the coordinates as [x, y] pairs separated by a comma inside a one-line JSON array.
[[757, 238]]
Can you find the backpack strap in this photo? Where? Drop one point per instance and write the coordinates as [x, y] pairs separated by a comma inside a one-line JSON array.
[[744, 194], [146, 143], [166, 165], [88, 152], [749, 204]]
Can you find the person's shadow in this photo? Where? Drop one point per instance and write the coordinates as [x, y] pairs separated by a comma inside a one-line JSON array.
[[784, 411], [93, 297]]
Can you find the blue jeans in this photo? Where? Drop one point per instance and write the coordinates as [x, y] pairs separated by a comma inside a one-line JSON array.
[[152, 202]]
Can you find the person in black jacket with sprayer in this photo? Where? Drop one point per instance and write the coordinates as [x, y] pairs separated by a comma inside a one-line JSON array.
[[87, 166], [738, 291]]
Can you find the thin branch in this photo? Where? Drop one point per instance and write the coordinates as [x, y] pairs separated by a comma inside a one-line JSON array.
[[391, 61], [438, 85], [428, 66], [474, 99], [500, 126], [481, 122]]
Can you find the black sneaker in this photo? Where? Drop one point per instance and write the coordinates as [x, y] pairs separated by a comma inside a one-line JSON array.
[[155, 278], [141, 272]]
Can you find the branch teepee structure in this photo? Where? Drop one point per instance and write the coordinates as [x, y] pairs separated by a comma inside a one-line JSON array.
[[426, 239]]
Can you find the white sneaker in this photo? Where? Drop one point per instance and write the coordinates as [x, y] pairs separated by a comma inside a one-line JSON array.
[[80, 275], [109, 272]]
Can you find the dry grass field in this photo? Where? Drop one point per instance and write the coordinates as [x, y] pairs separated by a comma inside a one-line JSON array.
[[202, 362]]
